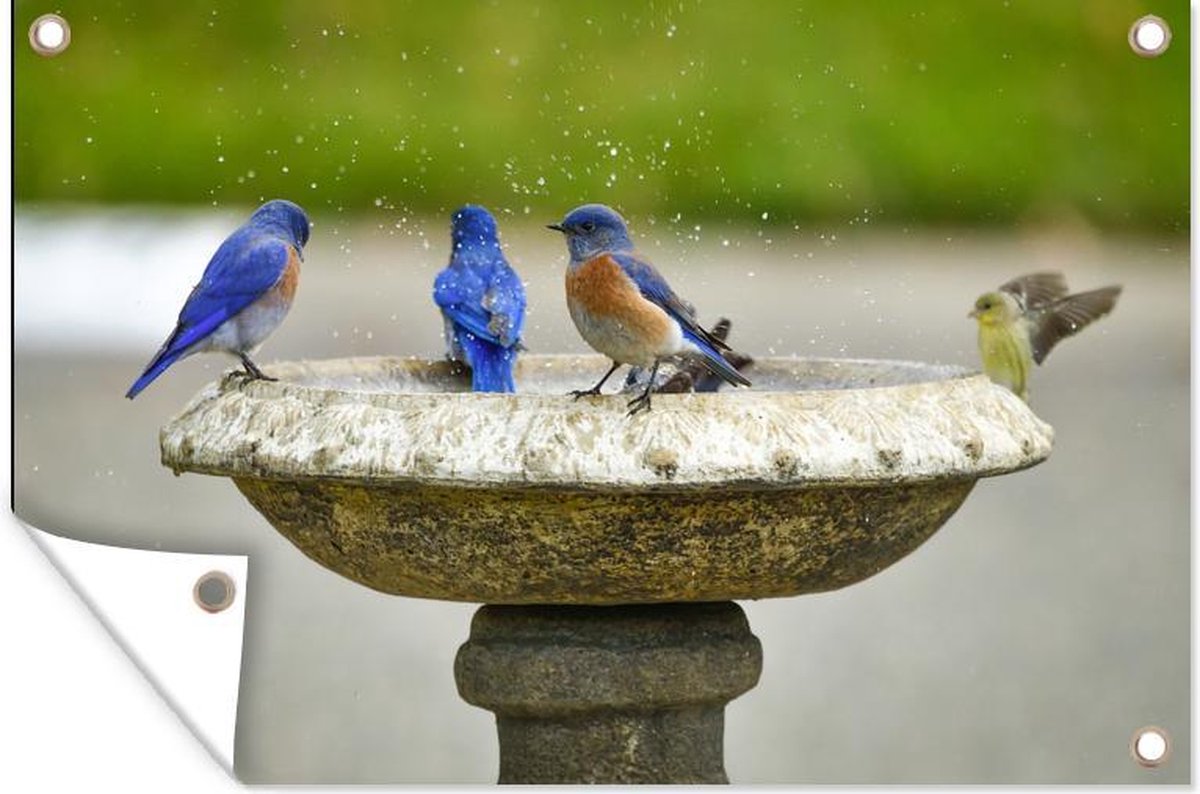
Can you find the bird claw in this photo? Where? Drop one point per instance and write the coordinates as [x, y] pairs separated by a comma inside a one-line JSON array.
[[241, 377], [639, 404], [583, 393], [237, 376]]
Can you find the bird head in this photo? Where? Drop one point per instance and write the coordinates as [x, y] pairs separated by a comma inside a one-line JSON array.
[[285, 217], [992, 308], [593, 229], [472, 224]]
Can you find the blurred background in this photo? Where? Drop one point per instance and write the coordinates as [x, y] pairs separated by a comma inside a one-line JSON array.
[[838, 179]]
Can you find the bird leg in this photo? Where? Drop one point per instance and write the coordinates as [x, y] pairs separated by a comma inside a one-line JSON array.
[[642, 401], [596, 389], [253, 372]]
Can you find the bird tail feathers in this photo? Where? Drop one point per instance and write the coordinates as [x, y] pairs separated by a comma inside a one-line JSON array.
[[713, 361], [178, 344], [491, 365], [165, 358]]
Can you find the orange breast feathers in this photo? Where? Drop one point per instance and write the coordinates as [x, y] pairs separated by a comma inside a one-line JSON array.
[[286, 286], [600, 288]]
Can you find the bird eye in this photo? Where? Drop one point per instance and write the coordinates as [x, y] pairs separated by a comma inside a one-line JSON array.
[[588, 226]]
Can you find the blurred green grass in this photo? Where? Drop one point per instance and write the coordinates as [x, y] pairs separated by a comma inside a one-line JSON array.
[[985, 112]]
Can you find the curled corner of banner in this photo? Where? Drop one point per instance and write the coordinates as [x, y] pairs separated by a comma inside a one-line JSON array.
[[178, 616]]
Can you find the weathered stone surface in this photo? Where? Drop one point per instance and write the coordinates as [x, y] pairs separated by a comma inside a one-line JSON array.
[[609, 694], [573, 546], [805, 422], [673, 746], [823, 474]]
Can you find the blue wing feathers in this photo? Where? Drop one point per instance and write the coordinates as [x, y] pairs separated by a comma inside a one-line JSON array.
[[656, 289], [246, 265], [453, 291], [483, 302], [648, 279], [473, 321], [505, 300], [480, 293]]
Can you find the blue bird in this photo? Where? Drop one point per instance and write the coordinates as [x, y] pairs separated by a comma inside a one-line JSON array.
[[482, 301], [625, 309], [244, 294]]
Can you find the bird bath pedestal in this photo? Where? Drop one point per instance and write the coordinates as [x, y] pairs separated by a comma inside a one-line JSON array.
[[608, 549]]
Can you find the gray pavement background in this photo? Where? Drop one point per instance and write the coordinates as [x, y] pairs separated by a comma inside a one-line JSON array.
[[1025, 642]]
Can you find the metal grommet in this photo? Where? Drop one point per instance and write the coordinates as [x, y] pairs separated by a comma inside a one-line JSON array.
[[1150, 746], [214, 591], [49, 35], [1150, 36]]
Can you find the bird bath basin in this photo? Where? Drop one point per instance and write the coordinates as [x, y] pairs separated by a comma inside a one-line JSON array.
[[607, 547]]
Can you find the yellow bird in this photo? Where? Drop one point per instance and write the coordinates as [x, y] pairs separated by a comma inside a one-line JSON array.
[[1024, 319]]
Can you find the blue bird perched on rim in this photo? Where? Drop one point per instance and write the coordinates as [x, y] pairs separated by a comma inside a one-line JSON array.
[[482, 301], [244, 294], [625, 309]]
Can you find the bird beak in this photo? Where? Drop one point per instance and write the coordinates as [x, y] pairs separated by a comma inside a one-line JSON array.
[[974, 314], [555, 227]]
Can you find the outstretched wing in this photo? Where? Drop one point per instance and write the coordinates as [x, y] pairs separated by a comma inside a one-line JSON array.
[[1036, 290], [1068, 316]]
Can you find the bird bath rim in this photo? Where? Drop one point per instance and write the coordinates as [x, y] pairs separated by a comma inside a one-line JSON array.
[[542, 499], [391, 421]]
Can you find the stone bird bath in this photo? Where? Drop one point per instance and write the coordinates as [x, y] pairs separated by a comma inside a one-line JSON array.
[[607, 549]]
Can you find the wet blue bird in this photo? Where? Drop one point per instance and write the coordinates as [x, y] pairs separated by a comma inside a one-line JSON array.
[[482, 301], [625, 309], [244, 294]]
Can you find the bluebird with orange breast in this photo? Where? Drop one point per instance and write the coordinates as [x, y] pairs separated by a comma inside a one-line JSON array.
[[625, 309], [482, 301], [244, 294]]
